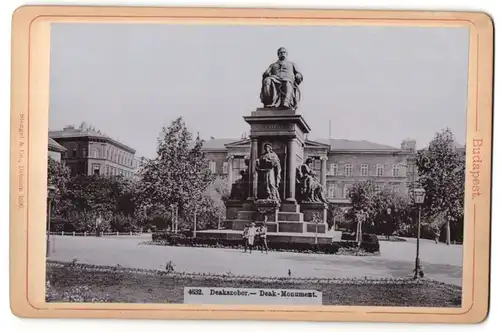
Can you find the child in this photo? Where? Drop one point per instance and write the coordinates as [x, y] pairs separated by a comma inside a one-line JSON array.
[[263, 237], [252, 231], [245, 237]]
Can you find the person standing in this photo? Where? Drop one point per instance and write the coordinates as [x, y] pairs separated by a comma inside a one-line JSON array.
[[245, 237], [252, 231], [263, 238]]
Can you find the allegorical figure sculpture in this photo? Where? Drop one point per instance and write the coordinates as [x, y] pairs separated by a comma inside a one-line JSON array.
[[240, 190], [268, 175], [309, 189], [280, 83]]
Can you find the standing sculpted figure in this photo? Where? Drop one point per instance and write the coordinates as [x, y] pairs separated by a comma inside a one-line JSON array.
[[268, 175], [280, 83]]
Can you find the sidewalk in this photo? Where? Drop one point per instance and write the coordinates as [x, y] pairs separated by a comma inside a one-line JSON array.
[[440, 262]]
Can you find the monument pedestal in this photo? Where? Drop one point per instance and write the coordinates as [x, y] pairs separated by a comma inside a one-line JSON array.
[[285, 131], [287, 221]]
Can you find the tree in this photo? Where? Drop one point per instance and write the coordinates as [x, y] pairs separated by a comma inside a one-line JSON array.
[[58, 175], [179, 174], [441, 172], [99, 194], [384, 210]]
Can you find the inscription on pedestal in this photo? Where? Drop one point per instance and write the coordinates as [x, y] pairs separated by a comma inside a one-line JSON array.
[[272, 126]]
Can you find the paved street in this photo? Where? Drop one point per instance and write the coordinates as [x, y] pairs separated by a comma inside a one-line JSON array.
[[440, 262]]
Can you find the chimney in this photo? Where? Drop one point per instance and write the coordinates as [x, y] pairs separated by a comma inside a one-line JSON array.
[[409, 145]]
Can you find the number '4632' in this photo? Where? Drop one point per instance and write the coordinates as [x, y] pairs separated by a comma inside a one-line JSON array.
[[195, 292]]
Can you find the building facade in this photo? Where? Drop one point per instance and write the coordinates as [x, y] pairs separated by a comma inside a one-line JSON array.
[[88, 151], [338, 163], [55, 150]]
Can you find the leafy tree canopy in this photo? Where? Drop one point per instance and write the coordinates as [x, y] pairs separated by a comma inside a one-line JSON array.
[[441, 171]]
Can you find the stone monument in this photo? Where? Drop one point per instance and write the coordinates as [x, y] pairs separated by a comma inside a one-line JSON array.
[[279, 187]]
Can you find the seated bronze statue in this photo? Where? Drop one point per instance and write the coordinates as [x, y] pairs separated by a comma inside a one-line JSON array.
[[308, 187], [280, 83]]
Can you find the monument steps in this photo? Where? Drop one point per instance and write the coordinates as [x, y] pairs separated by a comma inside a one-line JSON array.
[[282, 216]]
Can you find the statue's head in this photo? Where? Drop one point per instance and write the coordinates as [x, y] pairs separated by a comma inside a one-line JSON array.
[[282, 53], [268, 148], [309, 161]]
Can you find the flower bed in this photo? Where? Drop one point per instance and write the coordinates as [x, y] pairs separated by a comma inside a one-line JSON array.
[[72, 282], [367, 247]]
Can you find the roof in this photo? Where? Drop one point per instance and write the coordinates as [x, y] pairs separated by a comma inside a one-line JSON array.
[[54, 146], [86, 131], [335, 144], [352, 145], [217, 144]]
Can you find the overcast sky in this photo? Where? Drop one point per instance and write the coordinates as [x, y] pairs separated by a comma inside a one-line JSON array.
[[381, 84]]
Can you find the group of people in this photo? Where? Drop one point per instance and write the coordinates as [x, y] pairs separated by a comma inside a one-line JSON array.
[[255, 236]]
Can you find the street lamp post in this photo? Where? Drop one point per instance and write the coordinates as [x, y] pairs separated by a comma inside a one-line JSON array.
[[98, 222], [419, 196], [359, 231], [389, 210], [51, 193], [194, 222]]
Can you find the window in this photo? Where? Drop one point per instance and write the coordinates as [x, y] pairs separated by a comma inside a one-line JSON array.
[[332, 190], [364, 169], [316, 166], [95, 153], [347, 188], [73, 153], [380, 170], [84, 152], [334, 169], [348, 170], [225, 167], [395, 170], [96, 169], [212, 166], [395, 188], [108, 171]]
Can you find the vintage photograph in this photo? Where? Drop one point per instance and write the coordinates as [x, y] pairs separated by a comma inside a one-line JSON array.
[[256, 164]]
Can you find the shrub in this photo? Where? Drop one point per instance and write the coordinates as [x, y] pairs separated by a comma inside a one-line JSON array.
[[369, 244]]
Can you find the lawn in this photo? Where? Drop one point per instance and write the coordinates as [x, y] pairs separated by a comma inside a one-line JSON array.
[[85, 283]]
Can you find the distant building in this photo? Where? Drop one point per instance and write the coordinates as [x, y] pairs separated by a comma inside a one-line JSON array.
[[55, 150], [88, 151], [338, 163]]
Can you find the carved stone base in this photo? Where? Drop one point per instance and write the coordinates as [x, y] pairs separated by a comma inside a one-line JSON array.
[[309, 209], [232, 209], [268, 209], [290, 207]]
